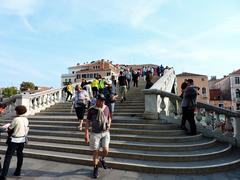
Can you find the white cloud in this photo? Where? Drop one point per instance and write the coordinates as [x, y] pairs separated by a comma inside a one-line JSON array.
[[133, 13], [21, 8], [18, 7]]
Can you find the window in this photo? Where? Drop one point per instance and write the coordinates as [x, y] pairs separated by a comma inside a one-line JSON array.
[[83, 75], [220, 105], [204, 91], [203, 79], [79, 76], [91, 75], [73, 72], [237, 93], [69, 80], [108, 73], [65, 80], [237, 80], [238, 106]]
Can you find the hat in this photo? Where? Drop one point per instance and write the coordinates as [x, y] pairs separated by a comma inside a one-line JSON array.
[[109, 82], [101, 97]]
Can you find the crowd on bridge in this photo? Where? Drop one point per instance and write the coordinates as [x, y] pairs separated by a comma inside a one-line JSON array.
[[96, 99]]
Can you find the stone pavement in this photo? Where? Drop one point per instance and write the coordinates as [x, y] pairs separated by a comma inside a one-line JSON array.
[[48, 170]]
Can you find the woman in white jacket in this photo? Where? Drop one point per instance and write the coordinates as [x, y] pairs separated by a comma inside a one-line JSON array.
[[17, 132]]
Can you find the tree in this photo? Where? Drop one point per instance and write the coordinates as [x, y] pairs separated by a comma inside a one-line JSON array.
[[24, 86], [9, 91]]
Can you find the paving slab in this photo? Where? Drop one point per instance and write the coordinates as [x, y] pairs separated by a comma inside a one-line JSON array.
[[34, 169]]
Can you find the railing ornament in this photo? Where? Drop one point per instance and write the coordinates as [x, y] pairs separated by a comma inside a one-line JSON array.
[[223, 124]]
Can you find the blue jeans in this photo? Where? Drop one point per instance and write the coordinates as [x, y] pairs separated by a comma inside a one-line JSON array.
[[12, 147]]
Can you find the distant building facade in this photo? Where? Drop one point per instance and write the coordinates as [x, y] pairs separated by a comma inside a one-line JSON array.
[[230, 89], [89, 71], [200, 81]]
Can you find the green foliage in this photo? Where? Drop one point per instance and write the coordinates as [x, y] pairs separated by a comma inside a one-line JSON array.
[[24, 86], [9, 91]]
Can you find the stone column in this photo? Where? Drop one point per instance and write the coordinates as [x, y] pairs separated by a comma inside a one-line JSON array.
[[236, 129], [151, 106], [24, 100]]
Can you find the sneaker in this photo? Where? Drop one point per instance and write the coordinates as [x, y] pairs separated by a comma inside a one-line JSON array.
[[2, 177], [124, 98], [95, 172], [17, 173], [103, 163], [191, 134], [183, 128]]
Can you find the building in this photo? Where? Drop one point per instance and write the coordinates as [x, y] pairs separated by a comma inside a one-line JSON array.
[[218, 98], [230, 88], [89, 71], [200, 81]]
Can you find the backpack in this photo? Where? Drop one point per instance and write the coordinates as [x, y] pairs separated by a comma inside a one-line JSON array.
[[65, 89], [128, 76]]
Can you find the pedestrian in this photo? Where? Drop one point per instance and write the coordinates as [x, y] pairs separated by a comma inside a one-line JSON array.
[[110, 95], [122, 80], [95, 86], [183, 123], [100, 121], [189, 104], [17, 132], [80, 103], [69, 92], [136, 78], [148, 80], [128, 75]]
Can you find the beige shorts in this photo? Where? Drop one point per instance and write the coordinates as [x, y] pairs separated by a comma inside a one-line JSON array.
[[98, 140]]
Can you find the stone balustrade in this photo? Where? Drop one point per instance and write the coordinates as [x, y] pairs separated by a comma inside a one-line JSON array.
[[152, 100], [211, 121], [33, 102]]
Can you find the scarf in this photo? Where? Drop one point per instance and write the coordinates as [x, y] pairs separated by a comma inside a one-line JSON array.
[[101, 118]]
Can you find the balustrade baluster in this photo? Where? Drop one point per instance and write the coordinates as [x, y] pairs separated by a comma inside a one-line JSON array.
[[228, 126]]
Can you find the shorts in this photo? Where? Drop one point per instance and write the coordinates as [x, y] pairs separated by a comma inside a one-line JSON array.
[[98, 140], [80, 111], [122, 89]]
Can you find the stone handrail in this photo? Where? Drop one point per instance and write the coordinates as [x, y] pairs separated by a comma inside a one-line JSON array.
[[33, 102], [152, 101], [211, 121]]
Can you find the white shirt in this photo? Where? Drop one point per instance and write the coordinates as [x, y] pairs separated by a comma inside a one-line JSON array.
[[20, 126]]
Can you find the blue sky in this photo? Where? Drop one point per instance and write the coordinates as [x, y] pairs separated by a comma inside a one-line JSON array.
[[39, 39]]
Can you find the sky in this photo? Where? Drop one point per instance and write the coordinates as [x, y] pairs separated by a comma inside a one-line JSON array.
[[40, 39]]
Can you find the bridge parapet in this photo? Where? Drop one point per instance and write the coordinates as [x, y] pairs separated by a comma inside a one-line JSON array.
[[212, 121], [153, 100], [33, 102]]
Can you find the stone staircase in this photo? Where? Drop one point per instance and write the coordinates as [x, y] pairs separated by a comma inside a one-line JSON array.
[[137, 144]]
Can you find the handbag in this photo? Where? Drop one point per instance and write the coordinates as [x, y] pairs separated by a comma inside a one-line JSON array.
[[10, 132]]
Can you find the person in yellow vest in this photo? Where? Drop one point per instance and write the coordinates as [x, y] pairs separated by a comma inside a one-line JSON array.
[[101, 85], [69, 91], [95, 85]]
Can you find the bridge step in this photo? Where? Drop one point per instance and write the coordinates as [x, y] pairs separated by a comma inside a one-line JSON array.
[[137, 144], [204, 166]]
